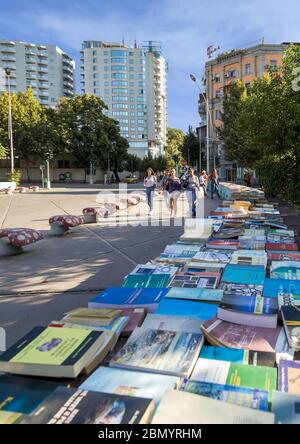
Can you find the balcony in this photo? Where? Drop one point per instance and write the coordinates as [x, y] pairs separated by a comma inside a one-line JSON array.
[[43, 94], [8, 58], [67, 67], [31, 67], [30, 60], [9, 65], [31, 75], [30, 52], [68, 76], [42, 54], [8, 49], [43, 62], [43, 85], [42, 69]]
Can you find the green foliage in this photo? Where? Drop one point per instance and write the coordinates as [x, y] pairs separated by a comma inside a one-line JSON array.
[[15, 177], [261, 128], [173, 149], [3, 151], [191, 146]]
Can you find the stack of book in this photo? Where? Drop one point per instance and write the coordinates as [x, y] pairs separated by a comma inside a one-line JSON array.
[[208, 332]]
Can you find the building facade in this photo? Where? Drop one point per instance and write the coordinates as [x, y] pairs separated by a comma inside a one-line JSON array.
[[48, 70], [132, 81], [221, 73]]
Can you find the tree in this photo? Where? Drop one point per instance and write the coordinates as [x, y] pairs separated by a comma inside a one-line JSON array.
[[173, 149], [191, 146], [3, 152]]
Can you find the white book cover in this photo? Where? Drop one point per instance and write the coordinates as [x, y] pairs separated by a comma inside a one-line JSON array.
[[210, 370], [172, 323], [154, 269]]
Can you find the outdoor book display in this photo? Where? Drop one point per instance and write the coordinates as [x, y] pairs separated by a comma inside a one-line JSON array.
[[206, 333]]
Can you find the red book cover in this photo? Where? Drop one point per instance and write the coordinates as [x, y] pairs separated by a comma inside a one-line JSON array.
[[281, 247], [283, 257]]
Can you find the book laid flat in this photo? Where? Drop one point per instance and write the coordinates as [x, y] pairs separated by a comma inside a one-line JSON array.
[[242, 289], [286, 408], [195, 294], [172, 323], [75, 406], [283, 257], [191, 309], [130, 383], [249, 310], [290, 315], [146, 281], [195, 280], [116, 326], [242, 396], [243, 274], [230, 373], [136, 317], [21, 395], [54, 352], [281, 247], [285, 270], [223, 244], [276, 287], [289, 377], [249, 257], [121, 298], [179, 407], [160, 351], [99, 316], [212, 256], [226, 334], [154, 269]]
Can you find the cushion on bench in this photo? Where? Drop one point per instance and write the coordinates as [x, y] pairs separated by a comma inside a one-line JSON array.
[[67, 221], [19, 237]]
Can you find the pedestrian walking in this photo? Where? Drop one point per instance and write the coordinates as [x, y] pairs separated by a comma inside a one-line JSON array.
[[174, 188], [203, 180], [193, 186], [165, 188], [214, 184], [150, 183]]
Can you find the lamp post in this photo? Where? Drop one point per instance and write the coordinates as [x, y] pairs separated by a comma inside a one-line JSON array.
[[10, 130], [193, 78]]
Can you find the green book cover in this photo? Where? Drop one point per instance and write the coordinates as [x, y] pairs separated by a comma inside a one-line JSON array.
[[146, 281]]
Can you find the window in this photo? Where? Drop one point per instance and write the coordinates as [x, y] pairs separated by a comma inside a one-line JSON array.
[[132, 91], [140, 106], [132, 136], [106, 83], [141, 136], [106, 76], [131, 84], [141, 91], [218, 93], [131, 61], [118, 60], [140, 114], [138, 145], [132, 99], [94, 52], [217, 77], [120, 105], [119, 83], [120, 91], [118, 67], [119, 75], [105, 60], [131, 54], [106, 68], [132, 129], [105, 53], [94, 59], [96, 91], [141, 83], [132, 106], [273, 63], [106, 91], [140, 99], [120, 99], [123, 120], [131, 76], [132, 122], [142, 62], [118, 53], [218, 114], [120, 113], [142, 69], [248, 68], [141, 76], [95, 68], [141, 121], [131, 68], [132, 114], [124, 128], [63, 164], [141, 128], [97, 83]]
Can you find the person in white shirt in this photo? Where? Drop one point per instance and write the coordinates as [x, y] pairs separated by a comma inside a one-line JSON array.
[[150, 182]]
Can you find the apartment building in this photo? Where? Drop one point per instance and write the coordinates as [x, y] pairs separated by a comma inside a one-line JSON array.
[[132, 81], [48, 70], [221, 73]]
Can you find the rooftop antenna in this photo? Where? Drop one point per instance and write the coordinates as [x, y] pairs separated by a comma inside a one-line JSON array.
[[262, 40], [123, 41], [135, 43]]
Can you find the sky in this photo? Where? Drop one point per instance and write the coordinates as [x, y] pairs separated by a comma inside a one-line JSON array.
[[185, 27]]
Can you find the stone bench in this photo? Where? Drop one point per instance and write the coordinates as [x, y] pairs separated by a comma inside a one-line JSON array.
[[93, 214], [12, 240], [62, 223]]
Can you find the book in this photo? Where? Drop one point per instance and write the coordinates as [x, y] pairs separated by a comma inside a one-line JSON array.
[[226, 334], [283, 256], [121, 298], [172, 323], [195, 280], [21, 395], [249, 257], [195, 294], [242, 289], [76, 406], [277, 287], [146, 281], [212, 256], [92, 315], [191, 309], [130, 383], [230, 373], [242, 396], [286, 407], [289, 377], [197, 228], [116, 326], [244, 274], [136, 317], [291, 322], [281, 247], [204, 267], [249, 310], [149, 269], [160, 351], [285, 270], [222, 244], [54, 352], [180, 407]]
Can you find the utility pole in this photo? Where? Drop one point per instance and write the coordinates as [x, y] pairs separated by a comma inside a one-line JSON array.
[[48, 175], [10, 128]]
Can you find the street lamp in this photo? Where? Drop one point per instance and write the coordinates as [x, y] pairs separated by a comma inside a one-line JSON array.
[[10, 130], [193, 78]]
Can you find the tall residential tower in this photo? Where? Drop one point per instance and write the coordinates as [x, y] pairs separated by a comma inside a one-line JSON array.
[[132, 82]]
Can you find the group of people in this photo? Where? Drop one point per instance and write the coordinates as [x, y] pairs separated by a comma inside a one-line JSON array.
[[172, 186]]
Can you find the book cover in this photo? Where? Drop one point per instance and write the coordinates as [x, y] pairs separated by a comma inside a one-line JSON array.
[[146, 281], [130, 383], [289, 377], [243, 274], [283, 257], [116, 326], [160, 351], [230, 373], [286, 408], [195, 294], [195, 280], [212, 256], [75, 406], [242, 396], [249, 257], [120, 297], [180, 407], [276, 287], [242, 289], [222, 354], [191, 309], [136, 317], [285, 270], [291, 322], [172, 323], [256, 305], [281, 247], [154, 269]]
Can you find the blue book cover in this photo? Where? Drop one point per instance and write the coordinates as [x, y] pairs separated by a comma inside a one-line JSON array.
[[245, 397], [286, 407], [257, 305], [222, 354], [274, 287], [243, 274], [130, 383], [190, 309], [128, 297]]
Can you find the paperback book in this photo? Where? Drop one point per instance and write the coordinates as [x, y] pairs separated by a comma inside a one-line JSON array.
[[208, 280], [146, 281], [195, 294], [289, 377], [291, 322], [191, 309], [243, 274], [285, 270], [242, 289]]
